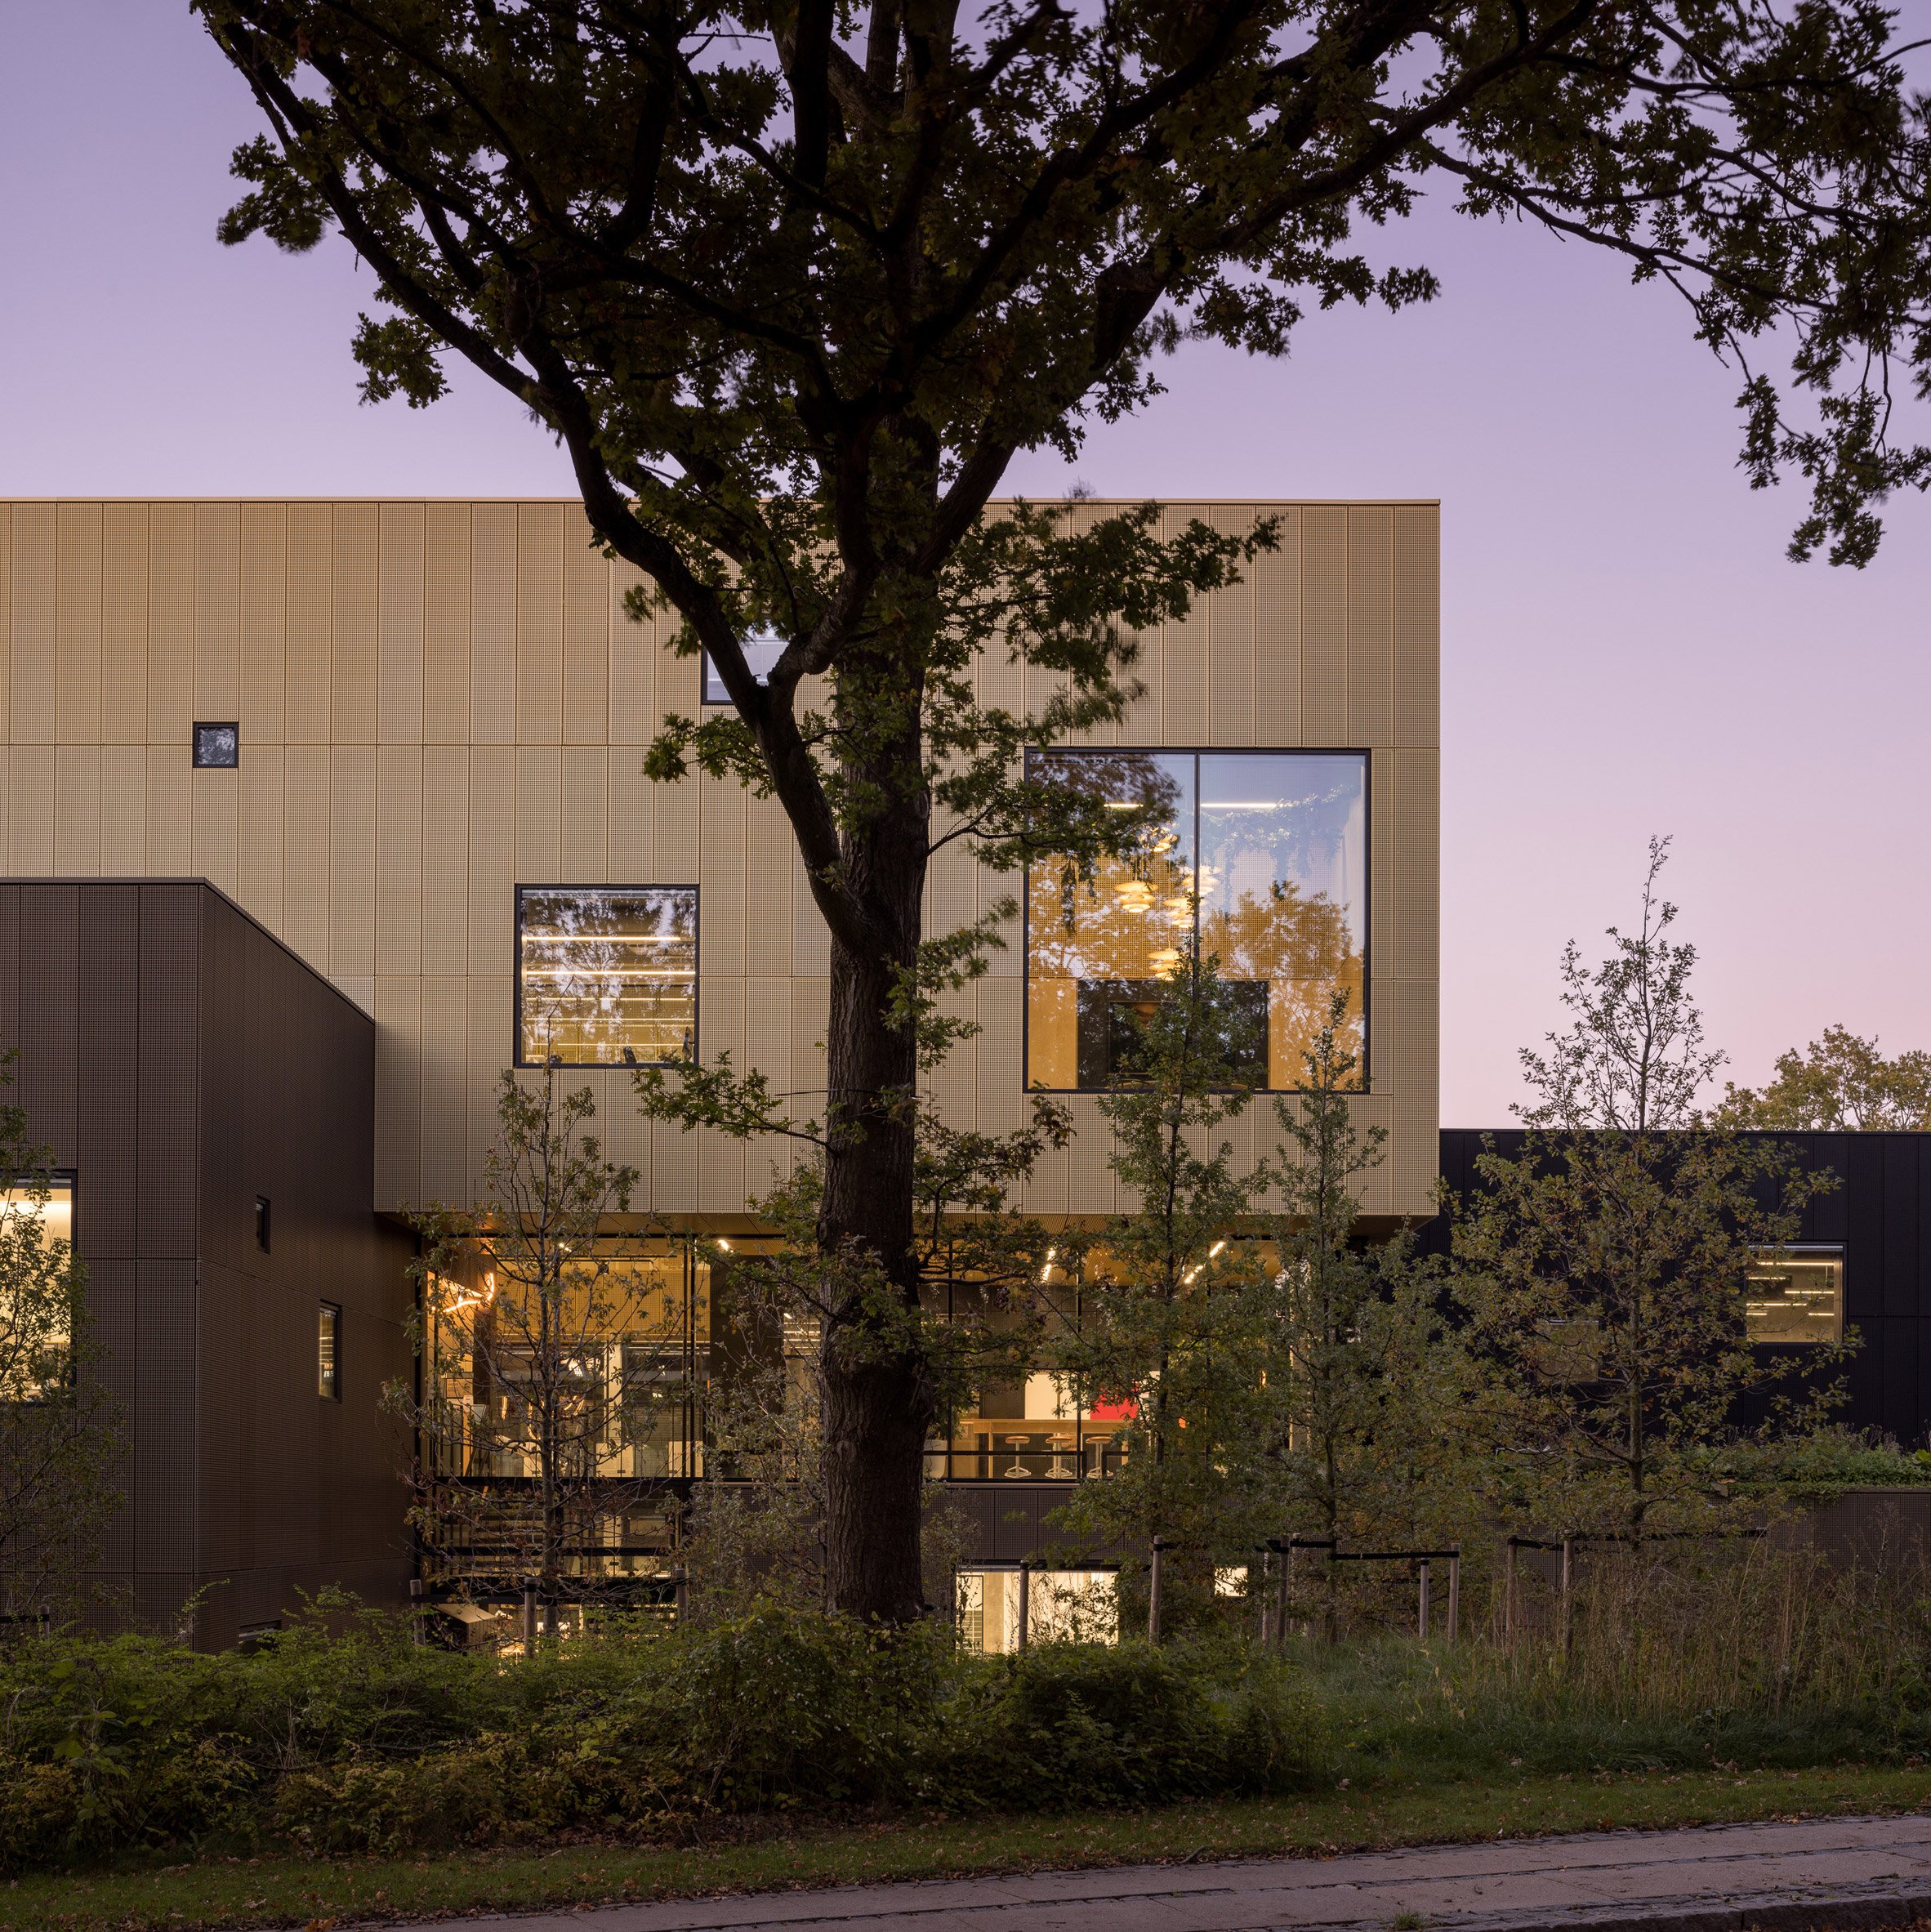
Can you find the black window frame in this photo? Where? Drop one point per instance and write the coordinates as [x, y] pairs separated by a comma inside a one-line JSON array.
[[264, 1225], [1820, 1251], [1035, 758], [210, 725], [697, 932]]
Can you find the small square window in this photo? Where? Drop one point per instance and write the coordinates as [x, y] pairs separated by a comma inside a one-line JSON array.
[[1796, 1294], [606, 975], [261, 1222], [762, 650], [217, 748], [328, 1354]]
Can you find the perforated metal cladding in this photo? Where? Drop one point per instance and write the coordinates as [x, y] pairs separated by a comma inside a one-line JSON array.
[[439, 700]]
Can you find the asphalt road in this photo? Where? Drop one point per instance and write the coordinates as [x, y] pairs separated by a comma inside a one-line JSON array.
[[1827, 1872]]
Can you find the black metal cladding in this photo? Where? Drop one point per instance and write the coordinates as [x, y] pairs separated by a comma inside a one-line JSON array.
[[1878, 1214]]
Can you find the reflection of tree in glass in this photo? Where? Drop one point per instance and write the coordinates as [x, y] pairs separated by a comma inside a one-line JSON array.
[[608, 976]]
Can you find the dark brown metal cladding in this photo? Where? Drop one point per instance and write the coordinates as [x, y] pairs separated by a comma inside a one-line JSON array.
[[182, 1062]]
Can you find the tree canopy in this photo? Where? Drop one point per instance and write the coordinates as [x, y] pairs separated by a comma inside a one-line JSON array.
[[1841, 1082], [792, 284]]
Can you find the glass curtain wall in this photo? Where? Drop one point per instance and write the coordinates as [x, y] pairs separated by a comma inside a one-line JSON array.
[[1263, 854]]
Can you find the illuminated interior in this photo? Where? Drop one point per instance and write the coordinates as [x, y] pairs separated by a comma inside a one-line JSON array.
[[1079, 1606], [606, 975], [1796, 1295], [1266, 850], [36, 1336], [626, 1345]]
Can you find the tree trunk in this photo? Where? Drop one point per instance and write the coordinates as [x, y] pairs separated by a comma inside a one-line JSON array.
[[878, 1396]]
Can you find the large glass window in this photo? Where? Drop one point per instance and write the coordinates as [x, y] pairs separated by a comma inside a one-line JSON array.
[[1264, 854], [606, 975], [1796, 1295]]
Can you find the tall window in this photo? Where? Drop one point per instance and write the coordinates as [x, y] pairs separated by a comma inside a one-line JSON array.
[[1264, 854], [328, 1353], [36, 1320], [606, 975]]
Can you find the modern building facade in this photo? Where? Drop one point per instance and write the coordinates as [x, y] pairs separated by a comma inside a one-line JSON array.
[[401, 744]]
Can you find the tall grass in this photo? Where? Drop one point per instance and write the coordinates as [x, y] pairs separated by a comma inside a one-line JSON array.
[[1749, 1654]]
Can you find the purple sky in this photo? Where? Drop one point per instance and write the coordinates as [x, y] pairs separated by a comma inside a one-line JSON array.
[[1624, 648]]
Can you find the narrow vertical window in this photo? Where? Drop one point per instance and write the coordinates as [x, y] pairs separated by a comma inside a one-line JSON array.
[[261, 1222], [328, 1354], [606, 975]]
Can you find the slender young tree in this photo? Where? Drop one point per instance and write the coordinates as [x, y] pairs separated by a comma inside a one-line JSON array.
[[60, 1426], [554, 1385], [1602, 1268], [793, 284], [1165, 1326], [1363, 1381]]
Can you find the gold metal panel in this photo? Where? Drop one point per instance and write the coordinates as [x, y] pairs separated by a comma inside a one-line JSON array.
[[767, 1050], [1230, 624], [1185, 660], [720, 873], [1324, 625], [811, 1015], [304, 903], [768, 874], [1001, 1077], [36, 552], [310, 673], [1384, 916], [1415, 1144], [677, 814], [352, 692], [493, 621], [721, 1159], [490, 1047], [124, 812], [77, 811], [170, 812], [399, 1089], [493, 863], [1371, 624], [446, 860], [585, 857], [632, 852], [634, 653], [30, 810], [78, 622], [446, 624], [1416, 888], [218, 610], [217, 806], [587, 634], [352, 862], [264, 626], [539, 816], [1418, 622], [1276, 574], [811, 939], [539, 624], [259, 874], [399, 860], [443, 1064], [400, 624]]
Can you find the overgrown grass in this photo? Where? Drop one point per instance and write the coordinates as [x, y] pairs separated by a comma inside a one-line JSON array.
[[282, 1891]]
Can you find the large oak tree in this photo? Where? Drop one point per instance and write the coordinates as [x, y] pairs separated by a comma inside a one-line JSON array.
[[792, 284]]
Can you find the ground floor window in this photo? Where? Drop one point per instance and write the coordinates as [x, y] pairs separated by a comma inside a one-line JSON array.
[[1059, 1605]]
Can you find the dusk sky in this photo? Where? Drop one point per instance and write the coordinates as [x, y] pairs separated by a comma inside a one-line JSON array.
[[1625, 648]]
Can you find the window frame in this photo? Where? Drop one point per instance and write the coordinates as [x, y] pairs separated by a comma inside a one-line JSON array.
[[334, 1393], [1808, 1251], [195, 758], [697, 975], [706, 670], [1036, 757]]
